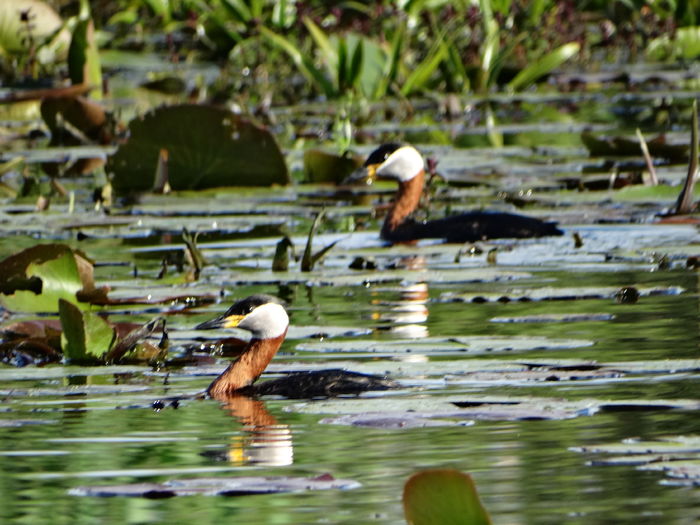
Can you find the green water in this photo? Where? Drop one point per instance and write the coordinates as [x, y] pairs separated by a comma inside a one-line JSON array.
[[525, 470], [65, 428]]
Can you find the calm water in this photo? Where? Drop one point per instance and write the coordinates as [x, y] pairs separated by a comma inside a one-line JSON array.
[[525, 470], [68, 427]]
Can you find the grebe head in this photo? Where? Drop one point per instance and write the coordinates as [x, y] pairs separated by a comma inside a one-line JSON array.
[[262, 315], [399, 162]]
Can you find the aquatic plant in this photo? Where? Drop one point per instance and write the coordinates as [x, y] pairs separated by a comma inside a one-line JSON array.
[[212, 147], [685, 204], [32, 38], [443, 497], [308, 258], [83, 57]]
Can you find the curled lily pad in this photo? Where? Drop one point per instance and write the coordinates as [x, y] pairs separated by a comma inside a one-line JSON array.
[[207, 147], [88, 119], [28, 352], [34, 279]]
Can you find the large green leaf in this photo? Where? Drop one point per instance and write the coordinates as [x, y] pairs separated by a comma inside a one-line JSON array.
[[34, 280], [84, 335], [443, 497], [207, 147]]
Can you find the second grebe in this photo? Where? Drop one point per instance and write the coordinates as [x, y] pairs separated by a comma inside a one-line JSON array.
[[404, 164], [267, 321]]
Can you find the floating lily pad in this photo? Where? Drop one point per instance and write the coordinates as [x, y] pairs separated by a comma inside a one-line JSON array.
[[471, 345], [295, 332], [622, 146], [74, 390], [240, 486], [207, 147], [545, 293], [554, 318], [677, 456], [62, 372], [458, 410], [5, 423]]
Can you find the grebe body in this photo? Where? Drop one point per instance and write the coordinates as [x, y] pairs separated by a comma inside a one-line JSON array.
[[266, 319], [404, 164]]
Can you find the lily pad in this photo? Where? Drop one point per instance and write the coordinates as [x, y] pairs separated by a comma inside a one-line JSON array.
[[637, 447], [207, 147], [471, 345], [5, 423], [34, 279], [621, 146], [554, 318], [458, 410], [676, 456], [240, 486], [545, 293]]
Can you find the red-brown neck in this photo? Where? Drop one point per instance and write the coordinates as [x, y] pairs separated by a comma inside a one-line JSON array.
[[407, 199], [247, 368]]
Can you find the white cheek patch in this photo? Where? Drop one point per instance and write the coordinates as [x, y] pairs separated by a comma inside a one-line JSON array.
[[266, 321], [402, 165]]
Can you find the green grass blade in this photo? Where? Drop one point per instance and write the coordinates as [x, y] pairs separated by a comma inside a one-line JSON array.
[[489, 47], [238, 9], [304, 63], [328, 50], [392, 64], [355, 69], [544, 65], [342, 69], [421, 74]]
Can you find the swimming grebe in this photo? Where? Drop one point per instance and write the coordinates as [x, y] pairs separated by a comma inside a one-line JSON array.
[[404, 164], [267, 321]]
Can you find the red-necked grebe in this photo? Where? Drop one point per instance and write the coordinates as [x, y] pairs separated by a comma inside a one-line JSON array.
[[266, 319], [405, 164]]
